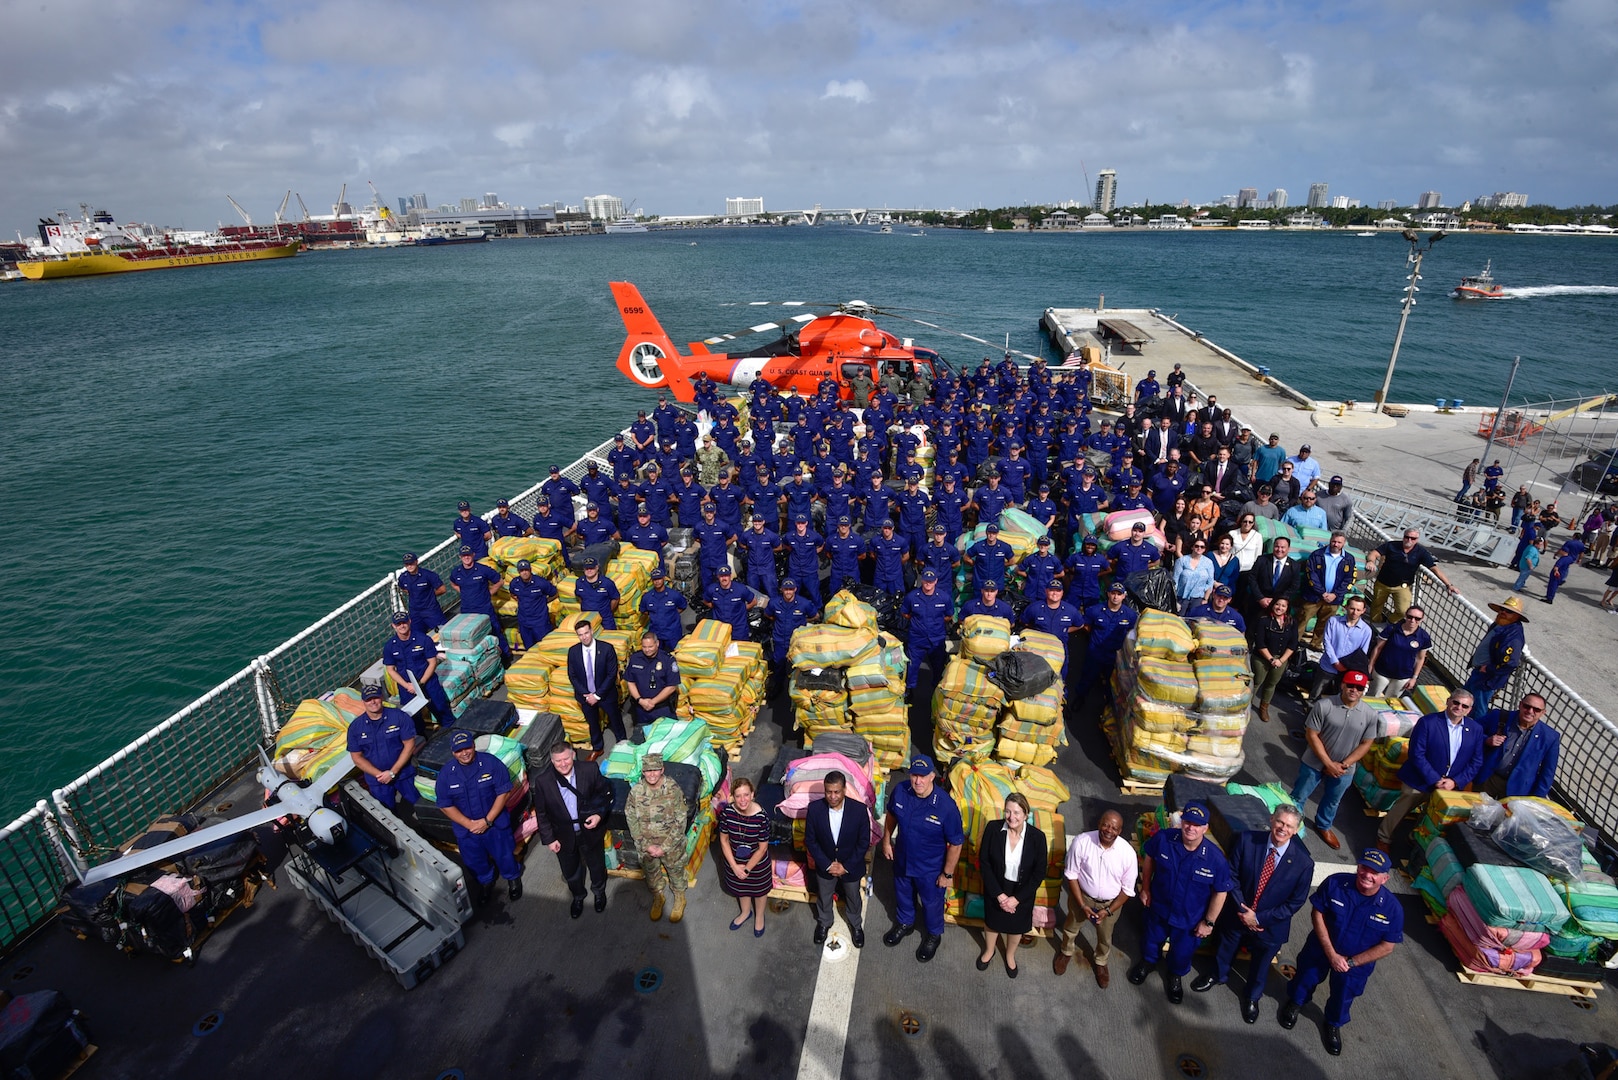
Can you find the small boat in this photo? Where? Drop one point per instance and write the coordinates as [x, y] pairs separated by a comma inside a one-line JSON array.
[[1365, 234], [885, 229], [1479, 286]]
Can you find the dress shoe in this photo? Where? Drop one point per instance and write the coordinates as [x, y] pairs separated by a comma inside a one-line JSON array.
[[1330, 839], [1175, 992], [1332, 1036], [576, 908], [896, 935], [1059, 965], [594, 755], [514, 889], [982, 964], [1102, 976], [928, 947], [1288, 1016], [1250, 1011], [859, 938], [1384, 846], [1011, 972], [1203, 983], [601, 902], [677, 912], [657, 907], [820, 935], [1138, 973]]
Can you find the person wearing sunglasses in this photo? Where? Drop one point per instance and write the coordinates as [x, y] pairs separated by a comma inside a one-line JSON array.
[[1521, 752], [1446, 754], [1399, 654]]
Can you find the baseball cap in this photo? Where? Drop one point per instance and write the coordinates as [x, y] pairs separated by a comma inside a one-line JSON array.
[[592, 506], [502, 504], [723, 571], [1139, 526], [887, 524], [844, 520], [658, 574], [758, 518], [1222, 590], [1335, 480], [1376, 859], [372, 692], [1355, 678], [1304, 449], [991, 528], [991, 586], [543, 500], [1195, 813], [462, 740], [400, 618], [556, 469], [643, 511], [409, 558], [1090, 540], [524, 564], [929, 575], [590, 563], [1053, 584], [1043, 540], [1116, 587], [802, 519], [463, 505], [939, 530], [921, 767], [465, 550], [593, 466]]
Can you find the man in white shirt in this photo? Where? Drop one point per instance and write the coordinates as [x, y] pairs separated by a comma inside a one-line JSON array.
[[1100, 877]]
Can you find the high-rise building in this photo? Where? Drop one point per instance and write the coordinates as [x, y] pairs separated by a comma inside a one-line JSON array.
[[1388, 204], [469, 206], [418, 201], [744, 207], [604, 207], [1501, 200], [1278, 198], [1317, 196], [404, 207], [1430, 200], [1246, 197], [1106, 191]]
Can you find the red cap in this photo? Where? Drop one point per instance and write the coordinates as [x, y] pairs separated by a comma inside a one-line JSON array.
[[1355, 678]]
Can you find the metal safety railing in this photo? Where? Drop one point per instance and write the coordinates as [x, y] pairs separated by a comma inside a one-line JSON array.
[[1451, 528], [202, 745]]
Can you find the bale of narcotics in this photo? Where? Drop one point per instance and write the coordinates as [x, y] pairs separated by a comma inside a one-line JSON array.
[[984, 637], [821, 646]]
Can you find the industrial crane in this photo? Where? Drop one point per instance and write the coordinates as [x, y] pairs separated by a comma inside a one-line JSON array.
[[280, 214], [342, 200], [240, 211], [302, 207]]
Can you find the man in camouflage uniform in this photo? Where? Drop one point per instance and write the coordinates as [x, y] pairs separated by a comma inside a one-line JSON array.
[[656, 812], [921, 387], [862, 386], [710, 459], [894, 381]]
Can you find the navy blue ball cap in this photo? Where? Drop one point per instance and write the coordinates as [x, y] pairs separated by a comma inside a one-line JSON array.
[[1117, 587], [543, 500], [939, 530], [1222, 590], [1090, 540], [400, 618], [789, 584], [524, 564], [591, 563], [372, 692], [593, 466], [758, 519], [929, 575], [555, 469], [1195, 813], [921, 766], [991, 586], [844, 520], [1043, 541], [1376, 859], [463, 505], [592, 506], [466, 550], [887, 524], [709, 506], [991, 527], [802, 519], [462, 740], [643, 511], [1053, 586], [686, 471], [619, 437], [410, 558], [723, 571], [502, 504], [658, 574]]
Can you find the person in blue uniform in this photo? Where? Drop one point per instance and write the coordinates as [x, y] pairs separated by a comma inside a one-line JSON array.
[[924, 854], [654, 495], [1183, 885], [927, 612], [477, 585], [1355, 921], [654, 681], [548, 525], [889, 553], [1108, 624], [764, 496], [1133, 555], [757, 546], [422, 588], [991, 498], [799, 494], [1131, 498], [595, 529], [622, 458], [876, 505], [912, 505], [505, 523], [803, 546], [642, 432], [662, 607], [1054, 616], [664, 417], [688, 496], [560, 491], [410, 658], [1219, 609], [1566, 559], [646, 534], [989, 557], [1271, 876], [472, 790], [948, 503], [597, 592], [1498, 655], [381, 742], [595, 487], [626, 503], [1042, 508], [939, 555], [473, 531], [730, 600], [713, 545], [1147, 388], [845, 551], [790, 610], [1084, 569], [533, 595], [988, 602], [1015, 472], [1040, 569]]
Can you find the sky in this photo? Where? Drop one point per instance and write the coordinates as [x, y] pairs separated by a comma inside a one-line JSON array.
[[158, 109]]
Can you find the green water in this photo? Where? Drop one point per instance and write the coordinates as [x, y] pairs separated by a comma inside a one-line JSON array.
[[198, 464]]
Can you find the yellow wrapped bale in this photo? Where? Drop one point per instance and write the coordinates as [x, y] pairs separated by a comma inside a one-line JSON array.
[[1171, 682], [1216, 639], [963, 678], [1163, 635], [528, 681], [845, 610], [313, 740], [821, 646], [541, 551], [984, 637], [710, 630], [1024, 753], [634, 563]]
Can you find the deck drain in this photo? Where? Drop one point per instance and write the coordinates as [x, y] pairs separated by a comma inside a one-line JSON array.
[[647, 980], [1582, 1002], [224, 807], [1190, 1065], [911, 1025], [208, 1024], [780, 906], [22, 973]]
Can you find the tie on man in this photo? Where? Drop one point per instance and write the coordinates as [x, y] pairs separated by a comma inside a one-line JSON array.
[[590, 668], [1263, 877]]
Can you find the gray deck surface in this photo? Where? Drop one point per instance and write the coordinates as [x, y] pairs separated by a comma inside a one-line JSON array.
[[535, 993]]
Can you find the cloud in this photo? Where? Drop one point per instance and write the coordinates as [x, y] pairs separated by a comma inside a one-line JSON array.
[[854, 90]]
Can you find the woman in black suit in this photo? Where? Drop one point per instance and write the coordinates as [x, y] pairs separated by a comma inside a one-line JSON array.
[[1011, 858]]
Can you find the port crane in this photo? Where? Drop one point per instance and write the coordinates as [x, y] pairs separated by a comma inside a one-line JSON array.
[[240, 211]]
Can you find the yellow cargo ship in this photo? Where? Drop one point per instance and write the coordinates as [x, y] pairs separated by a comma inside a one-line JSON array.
[[94, 245]]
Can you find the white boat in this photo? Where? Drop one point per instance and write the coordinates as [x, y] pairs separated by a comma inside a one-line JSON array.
[[1365, 234], [885, 229], [625, 225]]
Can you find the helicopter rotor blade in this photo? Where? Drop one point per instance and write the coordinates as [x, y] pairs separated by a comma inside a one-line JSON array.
[[720, 339]]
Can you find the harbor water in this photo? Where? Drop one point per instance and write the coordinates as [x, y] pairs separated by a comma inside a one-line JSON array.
[[198, 464]]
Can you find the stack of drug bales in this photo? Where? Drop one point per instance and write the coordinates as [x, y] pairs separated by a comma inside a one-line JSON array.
[[875, 682], [967, 702], [980, 789], [1376, 776], [721, 682], [1030, 729], [545, 558], [470, 667], [822, 654], [1224, 700]]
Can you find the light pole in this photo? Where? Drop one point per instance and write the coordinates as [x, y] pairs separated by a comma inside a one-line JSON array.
[[1413, 264]]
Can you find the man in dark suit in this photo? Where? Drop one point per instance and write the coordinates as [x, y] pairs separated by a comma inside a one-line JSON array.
[[1176, 405], [1446, 754], [592, 670], [837, 835], [1272, 575], [1273, 875], [1221, 474], [573, 801], [1157, 443], [1520, 753]]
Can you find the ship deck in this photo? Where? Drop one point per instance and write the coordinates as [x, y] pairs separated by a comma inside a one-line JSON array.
[[534, 990]]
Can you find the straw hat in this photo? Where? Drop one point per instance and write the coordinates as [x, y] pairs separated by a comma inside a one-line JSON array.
[[1512, 605]]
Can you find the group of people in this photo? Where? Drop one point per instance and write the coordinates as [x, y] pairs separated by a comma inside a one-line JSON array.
[[1590, 542]]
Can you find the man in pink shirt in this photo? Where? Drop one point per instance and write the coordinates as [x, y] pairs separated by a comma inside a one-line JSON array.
[[1100, 877]]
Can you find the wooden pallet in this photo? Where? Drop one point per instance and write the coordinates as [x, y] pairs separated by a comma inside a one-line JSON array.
[[1140, 789], [84, 1055], [793, 893], [1542, 984]]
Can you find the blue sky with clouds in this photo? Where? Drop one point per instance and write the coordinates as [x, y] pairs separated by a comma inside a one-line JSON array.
[[157, 109]]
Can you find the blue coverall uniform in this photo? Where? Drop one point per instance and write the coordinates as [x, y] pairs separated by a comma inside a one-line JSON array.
[[560, 491], [1108, 629], [759, 550], [927, 826], [508, 524], [989, 561], [472, 789], [715, 550], [845, 552], [1129, 557], [1085, 587], [470, 531], [410, 656], [789, 615], [533, 607], [1059, 621], [380, 742], [1183, 883], [650, 676], [730, 605], [662, 608], [928, 620], [803, 562], [474, 582], [1355, 923], [421, 591], [1039, 570], [991, 501], [598, 596], [888, 551]]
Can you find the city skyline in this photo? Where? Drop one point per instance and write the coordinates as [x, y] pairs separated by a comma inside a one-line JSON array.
[[868, 105]]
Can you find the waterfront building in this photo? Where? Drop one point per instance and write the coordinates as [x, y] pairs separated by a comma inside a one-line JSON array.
[[744, 207], [1430, 200], [1106, 191], [604, 207], [1278, 198], [1317, 196]]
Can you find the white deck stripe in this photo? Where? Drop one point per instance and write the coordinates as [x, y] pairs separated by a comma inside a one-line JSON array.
[[827, 1032]]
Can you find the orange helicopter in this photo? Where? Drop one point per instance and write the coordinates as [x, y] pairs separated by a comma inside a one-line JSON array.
[[837, 345]]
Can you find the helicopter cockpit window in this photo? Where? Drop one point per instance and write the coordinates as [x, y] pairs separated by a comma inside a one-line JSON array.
[[852, 371], [903, 368]]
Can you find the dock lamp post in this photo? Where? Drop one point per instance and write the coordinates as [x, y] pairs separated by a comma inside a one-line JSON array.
[[1413, 264]]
